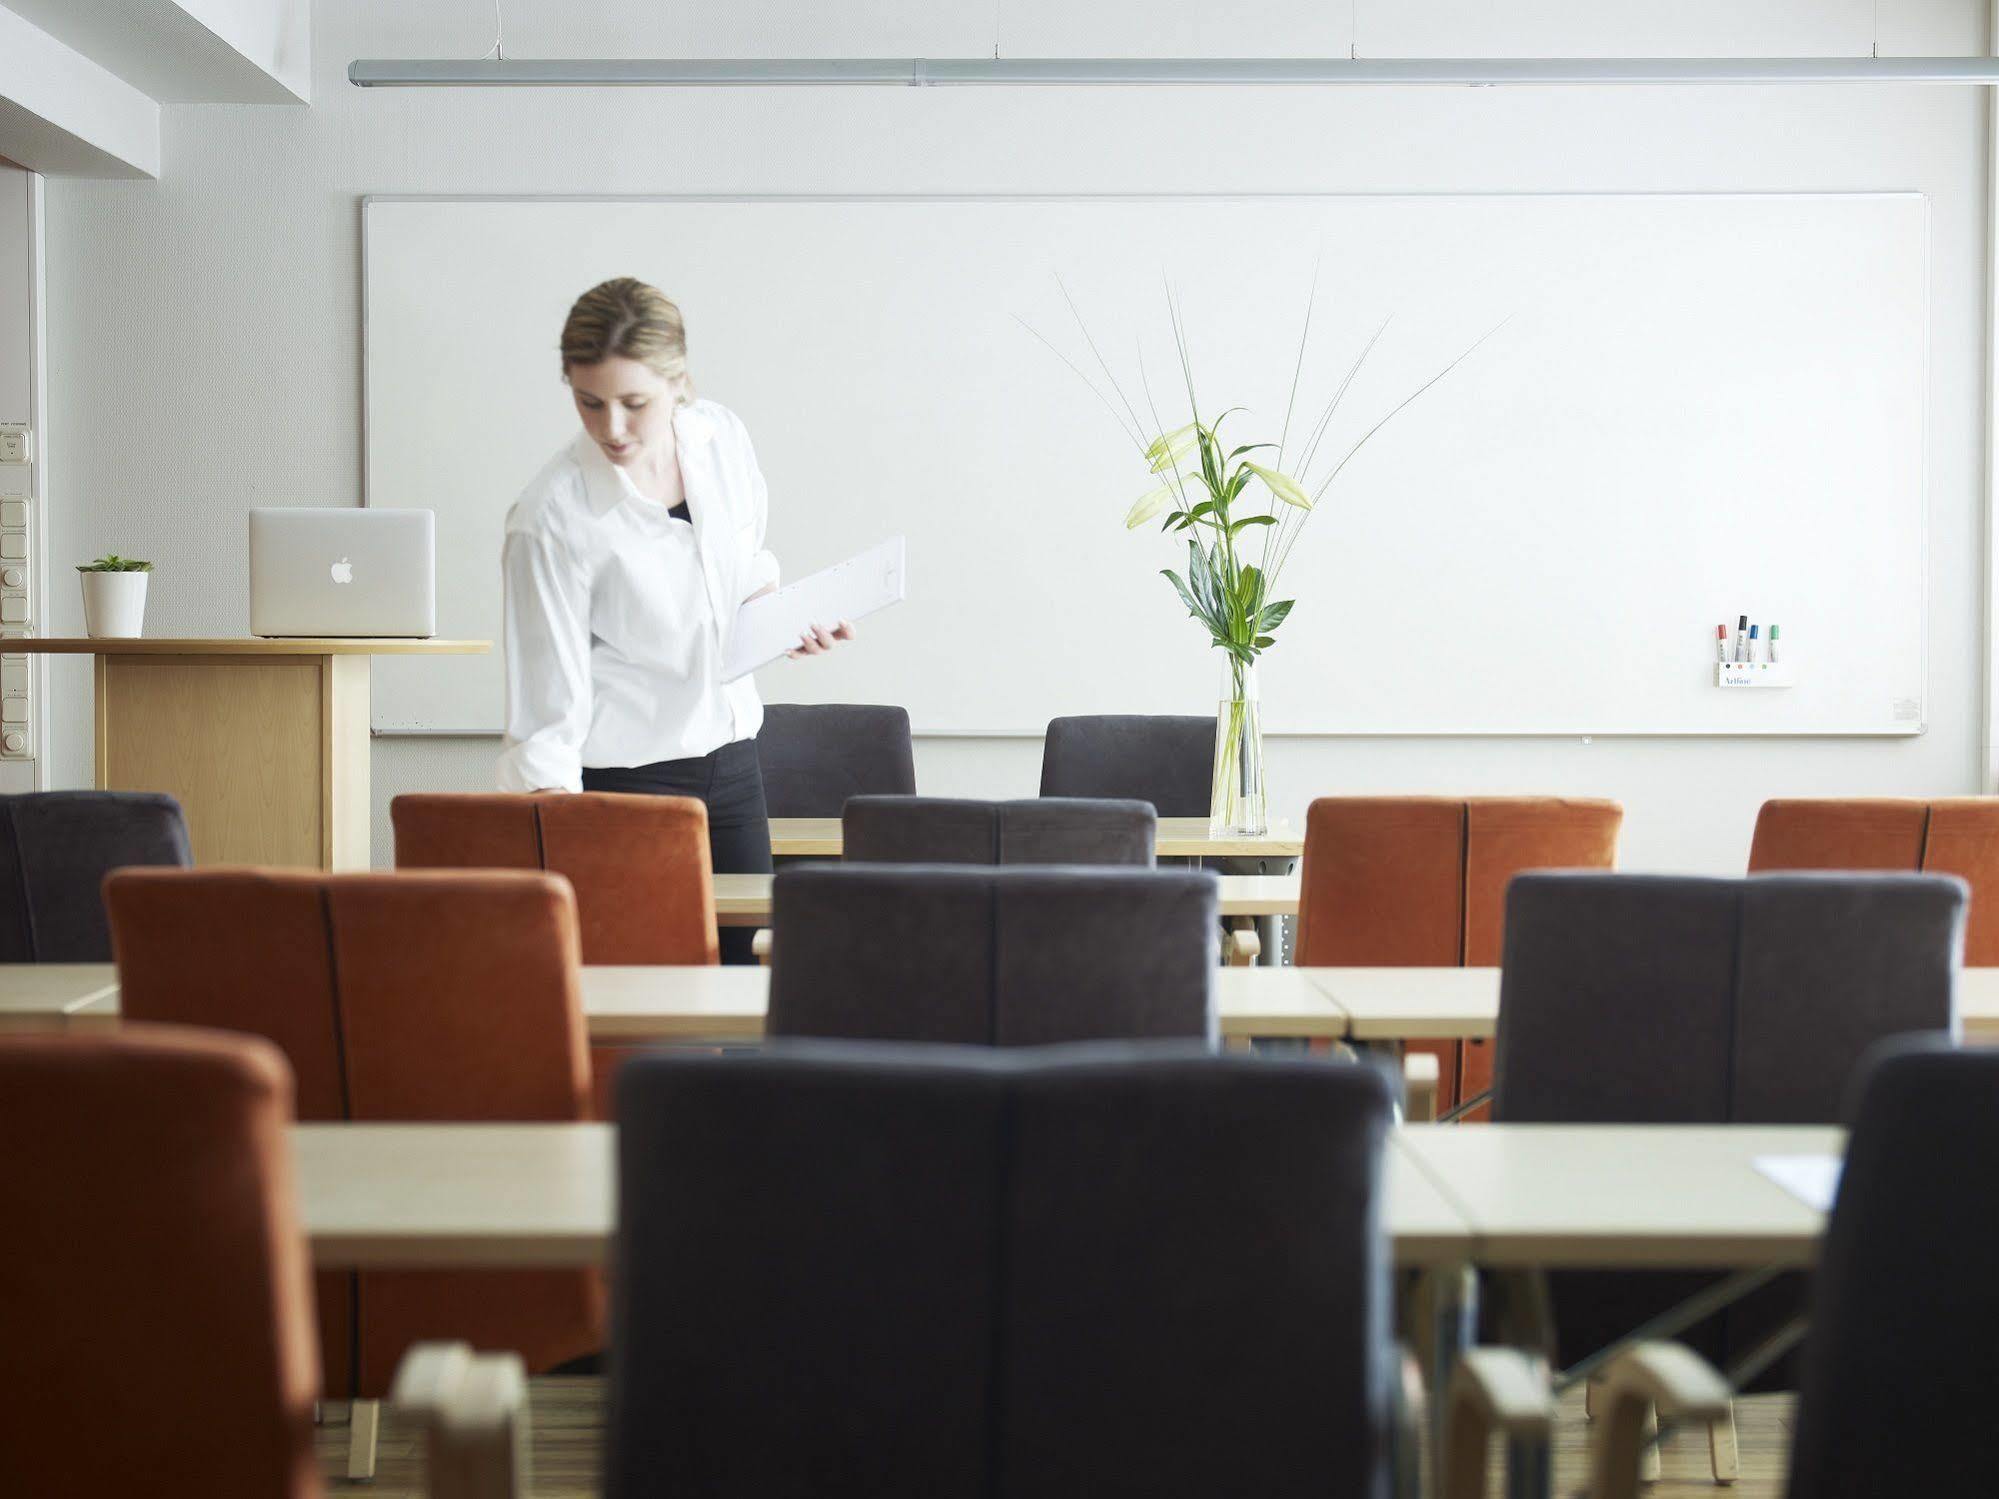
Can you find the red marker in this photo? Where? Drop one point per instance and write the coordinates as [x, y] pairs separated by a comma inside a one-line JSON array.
[[1721, 644]]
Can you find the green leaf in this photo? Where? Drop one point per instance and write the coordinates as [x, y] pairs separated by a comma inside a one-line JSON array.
[[1249, 447], [1251, 520], [1201, 578], [1284, 487], [1181, 589], [1273, 614], [1147, 506], [1264, 642]]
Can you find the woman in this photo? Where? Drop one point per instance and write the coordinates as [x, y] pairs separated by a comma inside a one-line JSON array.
[[625, 563]]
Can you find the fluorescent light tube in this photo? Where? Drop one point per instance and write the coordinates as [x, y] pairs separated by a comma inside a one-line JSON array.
[[1090, 72]]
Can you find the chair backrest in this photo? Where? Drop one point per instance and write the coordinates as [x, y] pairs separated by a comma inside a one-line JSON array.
[[816, 755], [157, 1293], [903, 1271], [1044, 830], [1663, 999], [55, 849], [1899, 1362], [435, 995], [1951, 835], [639, 865], [1002, 956], [1165, 759], [1420, 881]]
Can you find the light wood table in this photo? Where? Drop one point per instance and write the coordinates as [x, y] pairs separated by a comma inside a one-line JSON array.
[[1978, 1004], [744, 899], [1178, 838], [687, 1003], [1442, 1004], [519, 1196], [43, 996], [1547, 1196], [421, 1196], [263, 742], [1414, 1004], [719, 1004]]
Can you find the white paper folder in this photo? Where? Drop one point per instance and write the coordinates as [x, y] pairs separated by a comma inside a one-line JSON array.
[[767, 627]]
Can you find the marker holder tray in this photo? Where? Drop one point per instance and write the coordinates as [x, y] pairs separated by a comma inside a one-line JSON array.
[[1753, 674]]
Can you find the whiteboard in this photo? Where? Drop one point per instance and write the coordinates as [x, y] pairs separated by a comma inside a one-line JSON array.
[[1697, 407]]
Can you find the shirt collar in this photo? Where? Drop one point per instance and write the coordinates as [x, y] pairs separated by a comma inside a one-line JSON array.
[[604, 483]]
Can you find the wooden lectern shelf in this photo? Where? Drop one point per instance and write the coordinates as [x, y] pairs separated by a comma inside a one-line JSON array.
[[263, 742]]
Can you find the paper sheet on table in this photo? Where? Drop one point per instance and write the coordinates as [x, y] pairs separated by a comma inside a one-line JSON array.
[[1812, 1179], [768, 627]]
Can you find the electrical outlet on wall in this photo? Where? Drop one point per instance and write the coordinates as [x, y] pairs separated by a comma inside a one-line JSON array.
[[13, 443]]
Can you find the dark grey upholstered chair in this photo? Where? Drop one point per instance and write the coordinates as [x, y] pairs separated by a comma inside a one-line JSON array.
[[55, 849], [816, 755], [1095, 1271], [1642, 999], [1902, 1355], [1045, 830], [1006, 957], [1167, 760]]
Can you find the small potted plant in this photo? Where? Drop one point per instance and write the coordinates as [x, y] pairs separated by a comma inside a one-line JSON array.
[[114, 597]]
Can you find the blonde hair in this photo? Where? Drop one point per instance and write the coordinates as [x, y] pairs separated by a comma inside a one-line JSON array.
[[625, 318]]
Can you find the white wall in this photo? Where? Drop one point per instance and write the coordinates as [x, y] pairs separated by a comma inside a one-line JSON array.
[[204, 330]]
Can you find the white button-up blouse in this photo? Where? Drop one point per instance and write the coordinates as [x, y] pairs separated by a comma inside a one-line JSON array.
[[617, 614]]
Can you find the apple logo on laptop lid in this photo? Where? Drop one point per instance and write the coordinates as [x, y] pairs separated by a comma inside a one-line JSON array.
[[343, 571]]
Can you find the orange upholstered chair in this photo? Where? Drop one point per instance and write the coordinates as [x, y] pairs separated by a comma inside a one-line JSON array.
[[1954, 835], [639, 864], [407, 997], [1420, 881], [155, 1296]]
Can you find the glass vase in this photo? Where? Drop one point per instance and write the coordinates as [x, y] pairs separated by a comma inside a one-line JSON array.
[[1237, 808]]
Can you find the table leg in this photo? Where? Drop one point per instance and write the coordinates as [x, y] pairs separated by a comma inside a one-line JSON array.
[[1453, 1299]]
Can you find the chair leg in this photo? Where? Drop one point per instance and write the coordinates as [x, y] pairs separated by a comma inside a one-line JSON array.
[[1589, 1399], [1648, 1462], [1721, 1448], [361, 1428]]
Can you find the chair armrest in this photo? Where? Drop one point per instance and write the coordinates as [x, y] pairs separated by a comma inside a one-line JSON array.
[[1492, 1389], [473, 1409], [1420, 1077], [1241, 947], [760, 945], [1672, 1377]]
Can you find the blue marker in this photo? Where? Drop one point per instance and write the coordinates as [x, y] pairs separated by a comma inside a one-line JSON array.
[[1752, 644]]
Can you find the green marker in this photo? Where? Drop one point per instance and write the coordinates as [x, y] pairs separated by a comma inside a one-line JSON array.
[[1773, 643]]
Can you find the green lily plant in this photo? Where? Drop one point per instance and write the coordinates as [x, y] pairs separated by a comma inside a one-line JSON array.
[[1222, 501], [111, 562]]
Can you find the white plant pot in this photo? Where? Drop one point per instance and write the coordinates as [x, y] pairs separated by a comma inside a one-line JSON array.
[[114, 605]]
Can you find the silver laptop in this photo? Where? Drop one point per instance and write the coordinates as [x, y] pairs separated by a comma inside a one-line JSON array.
[[342, 572]]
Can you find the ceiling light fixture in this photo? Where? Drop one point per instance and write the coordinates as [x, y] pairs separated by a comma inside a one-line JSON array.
[[1095, 72]]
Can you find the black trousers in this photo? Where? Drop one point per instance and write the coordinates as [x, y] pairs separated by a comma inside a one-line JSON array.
[[731, 782]]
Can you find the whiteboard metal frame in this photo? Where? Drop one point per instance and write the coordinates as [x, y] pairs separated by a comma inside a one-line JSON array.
[[1915, 729]]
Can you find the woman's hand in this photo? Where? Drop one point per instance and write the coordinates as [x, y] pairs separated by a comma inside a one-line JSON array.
[[819, 640]]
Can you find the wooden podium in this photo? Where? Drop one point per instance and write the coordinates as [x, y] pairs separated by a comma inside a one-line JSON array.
[[263, 742]]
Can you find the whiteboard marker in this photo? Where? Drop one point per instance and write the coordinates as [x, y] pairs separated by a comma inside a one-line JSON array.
[[1773, 642], [1752, 643], [1741, 636], [1721, 644]]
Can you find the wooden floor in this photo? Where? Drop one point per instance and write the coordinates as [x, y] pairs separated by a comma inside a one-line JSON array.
[[568, 1428]]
